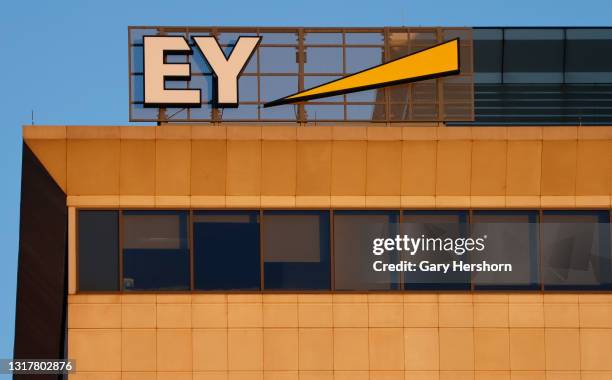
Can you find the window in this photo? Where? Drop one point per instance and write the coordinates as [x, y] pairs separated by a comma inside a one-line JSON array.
[[278, 60], [309, 250], [296, 250], [226, 250], [443, 225], [512, 237], [576, 249], [358, 59], [98, 259], [533, 56], [155, 250], [323, 60], [353, 259], [588, 56], [275, 87], [488, 55]]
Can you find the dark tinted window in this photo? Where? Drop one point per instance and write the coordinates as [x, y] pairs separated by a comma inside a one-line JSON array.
[[354, 232], [488, 55], [155, 250], [576, 249], [588, 56], [226, 250], [98, 250], [547, 76], [511, 237], [296, 250], [533, 56], [434, 225]]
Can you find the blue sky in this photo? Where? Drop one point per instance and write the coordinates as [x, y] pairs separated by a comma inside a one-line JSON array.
[[67, 61]]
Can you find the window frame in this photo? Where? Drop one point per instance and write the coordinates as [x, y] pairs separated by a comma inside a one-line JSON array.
[[189, 232], [194, 212], [77, 243], [318, 212], [562, 287], [402, 288]]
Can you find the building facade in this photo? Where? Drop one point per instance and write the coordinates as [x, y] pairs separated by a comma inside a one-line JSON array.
[[227, 250]]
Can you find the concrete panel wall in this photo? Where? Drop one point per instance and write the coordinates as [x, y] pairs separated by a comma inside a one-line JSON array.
[[341, 336], [321, 167]]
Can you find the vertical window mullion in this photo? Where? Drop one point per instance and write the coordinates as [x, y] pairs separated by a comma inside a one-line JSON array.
[[469, 226], [190, 237], [77, 242], [120, 226], [540, 250], [261, 250], [332, 269], [400, 232]]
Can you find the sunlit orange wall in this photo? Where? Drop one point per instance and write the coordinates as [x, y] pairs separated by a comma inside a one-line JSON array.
[[253, 166], [357, 336]]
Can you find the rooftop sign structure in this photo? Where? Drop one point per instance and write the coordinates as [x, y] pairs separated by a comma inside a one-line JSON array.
[[304, 75]]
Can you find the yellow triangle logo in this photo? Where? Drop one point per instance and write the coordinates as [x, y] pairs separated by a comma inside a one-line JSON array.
[[434, 62]]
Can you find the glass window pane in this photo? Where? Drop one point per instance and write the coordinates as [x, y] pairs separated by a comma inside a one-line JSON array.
[[98, 250], [284, 112], [175, 114], [323, 38], [323, 60], [296, 250], [142, 113], [364, 38], [588, 56], [354, 232], [358, 59], [137, 59], [278, 38], [155, 250], [230, 38], [366, 112], [488, 53], [511, 237], [137, 88], [321, 112], [278, 60], [199, 33], [226, 250], [436, 225], [533, 56], [273, 88], [576, 249], [247, 88], [136, 34], [243, 112], [201, 113], [205, 84]]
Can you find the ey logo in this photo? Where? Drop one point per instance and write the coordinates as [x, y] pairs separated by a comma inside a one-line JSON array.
[[433, 62]]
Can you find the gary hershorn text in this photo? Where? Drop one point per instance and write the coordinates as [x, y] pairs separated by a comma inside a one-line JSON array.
[[453, 246]]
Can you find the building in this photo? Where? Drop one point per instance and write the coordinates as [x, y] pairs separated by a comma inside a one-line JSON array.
[[227, 249]]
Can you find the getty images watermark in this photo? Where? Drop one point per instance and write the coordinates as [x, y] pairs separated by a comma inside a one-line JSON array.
[[413, 246]]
